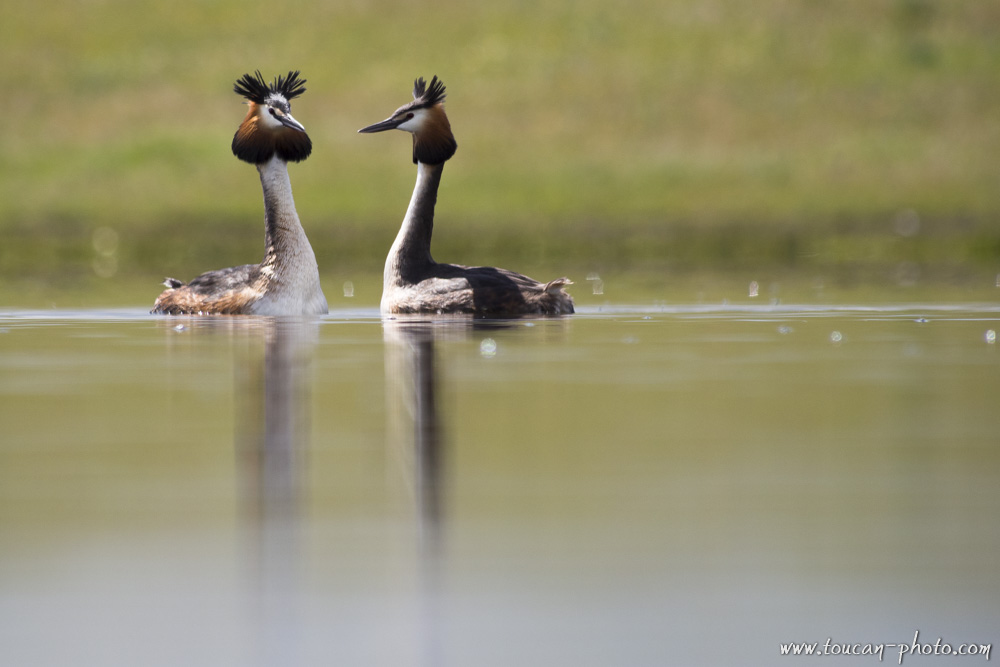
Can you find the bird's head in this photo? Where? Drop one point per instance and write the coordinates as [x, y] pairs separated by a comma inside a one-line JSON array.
[[425, 119], [269, 128]]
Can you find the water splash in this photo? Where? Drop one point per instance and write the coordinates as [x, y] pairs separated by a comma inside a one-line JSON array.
[[105, 243], [596, 283]]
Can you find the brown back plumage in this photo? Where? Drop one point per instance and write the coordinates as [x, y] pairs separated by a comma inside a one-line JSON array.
[[482, 291], [225, 292], [184, 301]]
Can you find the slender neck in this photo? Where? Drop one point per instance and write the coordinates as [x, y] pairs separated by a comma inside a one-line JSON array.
[[285, 240], [411, 251]]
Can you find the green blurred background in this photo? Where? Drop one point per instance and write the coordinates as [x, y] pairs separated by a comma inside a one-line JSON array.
[[646, 139]]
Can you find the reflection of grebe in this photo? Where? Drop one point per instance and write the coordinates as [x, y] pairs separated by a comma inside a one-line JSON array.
[[414, 424], [287, 281], [413, 282]]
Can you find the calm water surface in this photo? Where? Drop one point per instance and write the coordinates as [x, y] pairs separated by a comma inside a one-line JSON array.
[[630, 486]]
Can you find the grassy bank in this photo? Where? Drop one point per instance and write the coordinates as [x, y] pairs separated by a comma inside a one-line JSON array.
[[589, 132]]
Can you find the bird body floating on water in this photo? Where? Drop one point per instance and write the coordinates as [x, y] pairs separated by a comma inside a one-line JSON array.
[[286, 282], [412, 281]]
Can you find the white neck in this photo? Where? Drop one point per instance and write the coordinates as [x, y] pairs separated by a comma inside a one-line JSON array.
[[289, 261], [412, 248]]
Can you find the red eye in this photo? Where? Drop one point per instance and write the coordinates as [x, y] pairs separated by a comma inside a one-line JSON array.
[[409, 115]]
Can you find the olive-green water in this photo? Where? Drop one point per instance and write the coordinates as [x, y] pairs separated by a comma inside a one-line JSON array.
[[629, 486]]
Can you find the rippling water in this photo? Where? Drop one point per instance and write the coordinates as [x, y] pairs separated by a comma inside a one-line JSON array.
[[629, 486]]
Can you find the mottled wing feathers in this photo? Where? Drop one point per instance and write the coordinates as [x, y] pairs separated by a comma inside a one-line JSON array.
[[216, 282], [482, 291], [225, 292]]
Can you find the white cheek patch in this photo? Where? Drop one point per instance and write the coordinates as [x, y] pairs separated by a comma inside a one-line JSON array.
[[266, 110], [268, 120], [414, 124]]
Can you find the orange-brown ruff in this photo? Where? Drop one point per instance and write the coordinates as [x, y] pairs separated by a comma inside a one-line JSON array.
[[413, 282], [286, 282]]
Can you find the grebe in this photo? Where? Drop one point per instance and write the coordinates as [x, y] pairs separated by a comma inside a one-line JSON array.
[[413, 282], [287, 281]]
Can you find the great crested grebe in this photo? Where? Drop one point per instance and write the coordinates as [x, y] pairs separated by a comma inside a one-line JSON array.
[[286, 282], [413, 282]]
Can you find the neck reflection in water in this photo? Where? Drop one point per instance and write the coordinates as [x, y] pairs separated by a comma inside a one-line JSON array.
[[272, 430], [413, 423], [272, 361], [417, 438]]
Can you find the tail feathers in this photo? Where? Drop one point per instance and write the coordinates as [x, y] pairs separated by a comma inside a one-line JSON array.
[[555, 301], [173, 283], [557, 285]]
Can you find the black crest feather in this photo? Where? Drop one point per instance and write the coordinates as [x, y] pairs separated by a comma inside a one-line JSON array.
[[255, 89], [256, 146], [428, 96]]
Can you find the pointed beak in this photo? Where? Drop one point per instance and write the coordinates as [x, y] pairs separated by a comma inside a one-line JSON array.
[[287, 120], [387, 124]]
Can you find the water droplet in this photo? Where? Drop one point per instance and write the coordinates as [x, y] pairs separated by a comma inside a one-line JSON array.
[[105, 266], [646, 317], [921, 320], [836, 337], [785, 330], [529, 324], [488, 348], [906, 222], [907, 274], [348, 289], [991, 336], [105, 241], [598, 284], [180, 327], [754, 289]]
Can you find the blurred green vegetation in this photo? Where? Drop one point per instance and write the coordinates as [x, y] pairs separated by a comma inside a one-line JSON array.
[[593, 136]]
